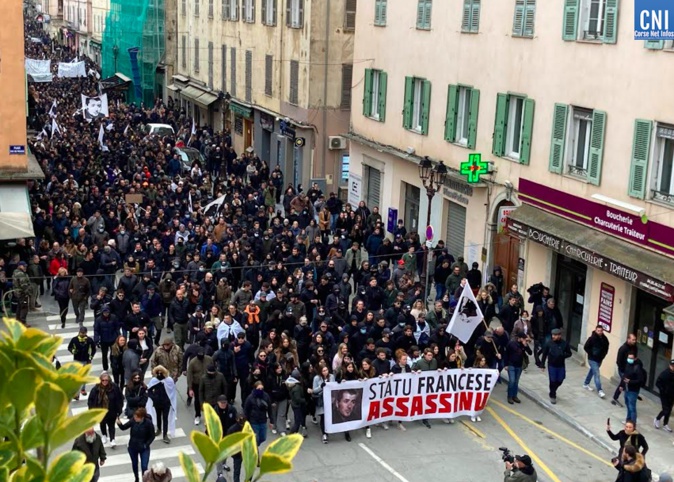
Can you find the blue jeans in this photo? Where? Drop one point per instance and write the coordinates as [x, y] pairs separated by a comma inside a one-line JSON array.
[[439, 291], [513, 380], [631, 403], [594, 371], [333, 221], [260, 431], [144, 460]]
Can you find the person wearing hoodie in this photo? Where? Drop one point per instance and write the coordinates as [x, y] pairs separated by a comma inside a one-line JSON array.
[[631, 466], [135, 393], [665, 385], [257, 408], [131, 360], [196, 369], [298, 401], [496, 279], [106, 331], [596, 348]]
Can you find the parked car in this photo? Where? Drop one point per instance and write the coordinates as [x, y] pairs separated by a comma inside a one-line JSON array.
[[159, 130], [187, 157]]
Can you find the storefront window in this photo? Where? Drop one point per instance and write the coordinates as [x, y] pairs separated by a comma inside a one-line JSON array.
[[654, 343], [570, 295]]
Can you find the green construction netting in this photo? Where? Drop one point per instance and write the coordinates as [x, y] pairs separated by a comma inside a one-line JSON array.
[[134, 24]]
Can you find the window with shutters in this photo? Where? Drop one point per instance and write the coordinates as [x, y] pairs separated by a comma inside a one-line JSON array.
[[579, 142], [380, 11], [372, 186], [295, 13], [417, 104], [183, 7], [183, 48], [424, 8], [590, 20], [462, 110], [293, 94], [249, 76], [232, 76], [268, 74], [233, 10], [196, 55], [470, 20], [269, 12], [210, 65], [210, 8], [374, 95], [249, 11], [662, 186], [350, 15], [224, 7], [347, 78], [196, 7], [223, 67], [524, 19], [513, 127]]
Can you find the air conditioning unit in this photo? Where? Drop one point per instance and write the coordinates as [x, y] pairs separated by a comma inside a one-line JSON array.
[[337, 143]]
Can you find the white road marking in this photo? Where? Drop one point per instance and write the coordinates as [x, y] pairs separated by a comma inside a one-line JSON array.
[[381, 462]]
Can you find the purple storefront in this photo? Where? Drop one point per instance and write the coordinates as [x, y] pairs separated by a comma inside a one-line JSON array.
[[604, 265]]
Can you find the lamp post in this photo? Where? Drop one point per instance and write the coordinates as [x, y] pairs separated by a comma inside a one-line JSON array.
[[432, 177]]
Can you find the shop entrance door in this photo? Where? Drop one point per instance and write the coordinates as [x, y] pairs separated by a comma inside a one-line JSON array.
[[570, 295], [653, 342]]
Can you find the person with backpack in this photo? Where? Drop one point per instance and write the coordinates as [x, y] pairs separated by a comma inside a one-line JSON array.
[[633, 380], [162, 402]]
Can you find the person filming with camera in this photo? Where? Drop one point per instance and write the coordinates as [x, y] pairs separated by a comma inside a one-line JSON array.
[[519, 468]]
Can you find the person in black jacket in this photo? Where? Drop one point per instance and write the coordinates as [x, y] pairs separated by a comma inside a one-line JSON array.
[[135, 393], [83, 350], [228, 418], [630, 346], [628, 436], [140, 439], [665, 385], [514, 361], [556, 351], [633, 379], [107, 395], [237, 458], [509, 314], [225, 363], [106, 331], [596, 348], [257, 408]]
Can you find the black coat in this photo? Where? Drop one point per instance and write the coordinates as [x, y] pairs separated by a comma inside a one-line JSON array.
[[142, 433], [596, 347], [115, 399], [665, 384]]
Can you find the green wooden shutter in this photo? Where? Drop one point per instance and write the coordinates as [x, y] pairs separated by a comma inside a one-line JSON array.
[[518, 19], [472, 119], [654, 44], [380, 13], [383, 81], [641, 147], [529, 18], [367, 93], [383, 12], [450, 116], [427, 14], [559, 120], [409, 99], [570, 23], [425, 105], [421, 14], [611, 22], [498, 141], [475, 16], [596, 147], [465, 19], [527, 131]]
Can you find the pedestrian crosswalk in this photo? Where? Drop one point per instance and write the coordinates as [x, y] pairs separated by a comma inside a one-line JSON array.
[[117, 467]]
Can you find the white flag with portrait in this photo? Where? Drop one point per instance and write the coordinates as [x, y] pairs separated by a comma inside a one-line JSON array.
[[94, 107], [467, 315]]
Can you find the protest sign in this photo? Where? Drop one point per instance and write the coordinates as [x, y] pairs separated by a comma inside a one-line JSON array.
[[72, 69], [407, 397]]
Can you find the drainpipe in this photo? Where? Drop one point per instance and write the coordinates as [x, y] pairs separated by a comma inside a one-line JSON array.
[[321, 172]]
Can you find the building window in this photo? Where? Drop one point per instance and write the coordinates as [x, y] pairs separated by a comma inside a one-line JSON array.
[[293, 95], [249, 76], [513, 127], [350, 15], [249, 11], [663, 169], [210, 65], [346, 162], [232, 77], [232, 10], [525, 16], [295, 13], [417, 104], [196, 7], [593, 20], [424, 14], [374, 94], [268, 74], [577, 144], [223, 67], [462, 111], [347, 78], [269, 12], [183, 47], [224, 10], [470, 20], [210, 8], [380, 10], [196, 55]]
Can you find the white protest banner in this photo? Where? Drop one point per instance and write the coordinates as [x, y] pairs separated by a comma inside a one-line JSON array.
[[94, 107], [407, 397], [467, 315], [39, 70], [72, 69]]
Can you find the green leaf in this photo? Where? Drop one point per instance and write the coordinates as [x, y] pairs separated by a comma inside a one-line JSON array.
[[70, 467], [14, 328], [189, 468], [232, 444], [23, 383], [6, 455], [32, 434], [74, 426], [31, 338], [53, 404], [285, 447], [49, 346], [206, 447], [274, 464], [38, 361], [249, 452], [35, 467], [70, 384], [212, 421]]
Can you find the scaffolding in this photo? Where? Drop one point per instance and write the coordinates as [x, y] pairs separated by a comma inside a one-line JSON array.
[[131, 25]]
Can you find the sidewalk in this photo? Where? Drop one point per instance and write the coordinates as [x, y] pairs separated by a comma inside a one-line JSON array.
[[587, 413]]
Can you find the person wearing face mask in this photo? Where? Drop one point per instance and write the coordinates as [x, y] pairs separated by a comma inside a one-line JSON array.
[[257, 408], [91, 445], [162, 402], [196, 368], [211, 385], [135, 393]]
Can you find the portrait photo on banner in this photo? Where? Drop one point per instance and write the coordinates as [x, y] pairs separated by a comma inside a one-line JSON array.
[[94, 107], [346, 405]]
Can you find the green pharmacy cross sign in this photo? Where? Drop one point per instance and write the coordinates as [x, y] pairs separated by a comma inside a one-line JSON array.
[[474, 167]]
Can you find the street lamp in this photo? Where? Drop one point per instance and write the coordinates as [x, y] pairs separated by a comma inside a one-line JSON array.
[[432, 177]]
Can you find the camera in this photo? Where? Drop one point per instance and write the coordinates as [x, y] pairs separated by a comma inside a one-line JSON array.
[[506, 455]]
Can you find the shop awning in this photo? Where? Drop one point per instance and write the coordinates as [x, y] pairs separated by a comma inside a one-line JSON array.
[[206, 99], [646, 270], [117, 81], [191, 93], [173, 87], [16, 225]]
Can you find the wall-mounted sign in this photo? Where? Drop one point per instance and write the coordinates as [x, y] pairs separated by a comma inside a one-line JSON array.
[[392, 220], [503, 213], [606, 301], [17, 150], [355, 188], [474, 167]]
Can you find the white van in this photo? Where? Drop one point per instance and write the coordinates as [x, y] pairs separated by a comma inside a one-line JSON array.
[[159, 129]]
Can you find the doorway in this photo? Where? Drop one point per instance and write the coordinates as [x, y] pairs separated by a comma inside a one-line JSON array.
[[247, 133], [412, 198], [506, 255], [654, 343], [570, 296]]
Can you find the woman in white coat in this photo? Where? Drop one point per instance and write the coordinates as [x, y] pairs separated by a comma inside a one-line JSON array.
[[162, 402], [324, 376]]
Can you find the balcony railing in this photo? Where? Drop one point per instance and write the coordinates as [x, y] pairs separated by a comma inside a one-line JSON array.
[[663, 196], [577, 171]]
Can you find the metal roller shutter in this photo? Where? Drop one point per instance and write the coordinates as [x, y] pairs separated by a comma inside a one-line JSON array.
[[373, 191], [456, 229]]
